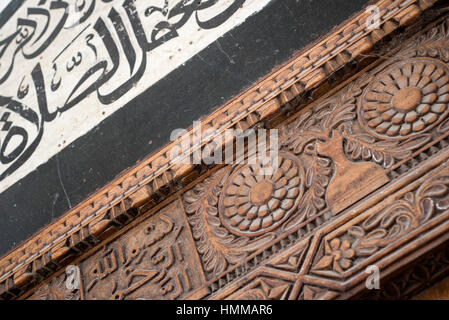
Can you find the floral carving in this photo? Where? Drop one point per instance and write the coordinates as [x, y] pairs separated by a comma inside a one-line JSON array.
[[218, 247], [434, 43], [383, 152], [322, 133], [317, 179], [338, 255], [383, 228], [258, 198], [408, 98]]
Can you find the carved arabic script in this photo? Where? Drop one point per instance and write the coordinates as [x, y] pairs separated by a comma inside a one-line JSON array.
[[154, 262]]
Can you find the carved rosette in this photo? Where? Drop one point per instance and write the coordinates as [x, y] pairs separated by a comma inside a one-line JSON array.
[[408, 98], [258, 198], [338, 254]]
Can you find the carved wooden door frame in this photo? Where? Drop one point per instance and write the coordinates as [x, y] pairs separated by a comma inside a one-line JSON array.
[[362, 180]]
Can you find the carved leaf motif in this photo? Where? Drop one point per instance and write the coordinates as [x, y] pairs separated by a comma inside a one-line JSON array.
[[218, 248], [438, 193], [366, 147], [324, 263], [435, 43], [317, 179], [444, 126], [414, 209], [298, 141], [301, 121], [356, 231], [435, 191], [316, 124], [317, 293], [384, 228], [341, 114]]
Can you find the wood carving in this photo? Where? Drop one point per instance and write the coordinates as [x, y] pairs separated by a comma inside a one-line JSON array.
[[411, 280], [242, 209], [345, 252], [150, 263], [385, 227], [264, 289], [152, 180], [321, 133], [406, 99], [362, 179], [316, 293], [258, 198]]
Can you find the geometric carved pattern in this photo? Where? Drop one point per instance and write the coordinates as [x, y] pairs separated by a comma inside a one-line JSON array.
[[276, 277], [290, 261], [316, 293], [264, 289]]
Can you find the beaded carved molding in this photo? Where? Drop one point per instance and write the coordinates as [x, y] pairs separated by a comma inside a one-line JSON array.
[[343, 197]]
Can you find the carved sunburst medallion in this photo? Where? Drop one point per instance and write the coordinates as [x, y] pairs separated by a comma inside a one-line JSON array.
[[258, 197], [408, 98]]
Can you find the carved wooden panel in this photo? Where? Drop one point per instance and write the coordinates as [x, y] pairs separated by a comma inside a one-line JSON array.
[[372, 132], [234, 214], [155, 260], [400, 219], [363, 179], [150, 181]]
